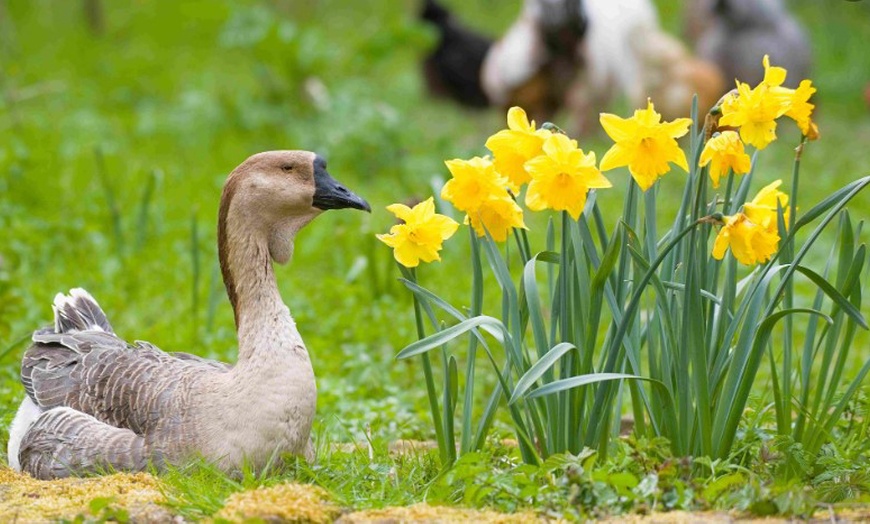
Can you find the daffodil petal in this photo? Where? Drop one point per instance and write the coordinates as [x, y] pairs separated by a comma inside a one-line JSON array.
[[616, 156], [617, 128]]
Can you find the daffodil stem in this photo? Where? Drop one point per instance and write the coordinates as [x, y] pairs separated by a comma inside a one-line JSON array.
[[783, 414], [522, 245], [476, 308], [430, 380], [729, 188]]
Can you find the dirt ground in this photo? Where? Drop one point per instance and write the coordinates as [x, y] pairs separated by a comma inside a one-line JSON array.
[[26, 500]]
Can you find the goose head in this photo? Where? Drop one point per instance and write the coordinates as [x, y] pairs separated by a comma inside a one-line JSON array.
[[276, 193]]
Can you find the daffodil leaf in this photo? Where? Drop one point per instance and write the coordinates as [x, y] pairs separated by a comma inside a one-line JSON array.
[[846, 192], [838, 298], [540, 367], [491, 325], [532, 300], [592, 378], [727, 427]]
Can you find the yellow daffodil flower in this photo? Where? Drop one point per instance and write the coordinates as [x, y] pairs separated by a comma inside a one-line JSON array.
[[753, 234], [723, 152], [800, 109], [422, 234], [749, 242], [755, 110], [474, 181], [562, 176], [499, 215], [514, 146], [645, 144], [763, 208]]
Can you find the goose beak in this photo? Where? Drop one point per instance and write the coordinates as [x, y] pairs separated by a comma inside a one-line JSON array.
[[329, 193]]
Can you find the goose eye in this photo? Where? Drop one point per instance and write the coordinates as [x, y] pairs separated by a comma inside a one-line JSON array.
[[287, 168]]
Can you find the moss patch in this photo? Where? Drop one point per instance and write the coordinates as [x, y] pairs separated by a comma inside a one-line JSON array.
[[424, 513], [281, 503], [25, 499]]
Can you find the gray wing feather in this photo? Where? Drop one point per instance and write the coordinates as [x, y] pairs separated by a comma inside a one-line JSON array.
[[106, 401], [64, 442], [131, 387]]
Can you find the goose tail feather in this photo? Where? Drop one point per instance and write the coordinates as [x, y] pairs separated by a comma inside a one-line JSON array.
[[78, 311]]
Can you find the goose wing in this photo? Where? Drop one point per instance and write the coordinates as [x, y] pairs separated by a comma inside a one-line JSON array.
[[92, 370], [126, 386]]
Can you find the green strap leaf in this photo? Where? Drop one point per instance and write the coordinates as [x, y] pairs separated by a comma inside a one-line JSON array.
[[539, 368], [591, 378], [844, 303], [491, 325]]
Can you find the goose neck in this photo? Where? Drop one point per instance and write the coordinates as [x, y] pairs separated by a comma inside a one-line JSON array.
[[265, 329]]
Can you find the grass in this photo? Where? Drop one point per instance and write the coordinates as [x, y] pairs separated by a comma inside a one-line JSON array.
[[113, 149]]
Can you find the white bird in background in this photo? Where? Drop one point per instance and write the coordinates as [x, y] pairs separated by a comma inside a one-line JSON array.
[[536, 62], [628, 53]]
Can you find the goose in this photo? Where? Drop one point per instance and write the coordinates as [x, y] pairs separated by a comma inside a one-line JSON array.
[[95, 402]]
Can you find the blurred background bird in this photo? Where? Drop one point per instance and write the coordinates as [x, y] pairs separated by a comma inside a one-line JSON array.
[[537, 60], [628, 54], [452, 68], [532, 65], [736, 34], [583, 55]]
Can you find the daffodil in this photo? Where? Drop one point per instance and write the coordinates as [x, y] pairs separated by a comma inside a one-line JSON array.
[[753, 234], [474, 181], [562, 176], [762, 209], [723, 152], [755, 110], [750, 243], [514, 146], [421, 235], [499, 215], [800, 109], [645, 144]]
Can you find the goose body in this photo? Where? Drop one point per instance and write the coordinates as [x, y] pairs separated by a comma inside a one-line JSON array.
[[96, 402]]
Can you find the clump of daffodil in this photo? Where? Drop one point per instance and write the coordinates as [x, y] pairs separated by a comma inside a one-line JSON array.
[[562, 177], [645, 144], [752, 235], [723, 152], [514, 146], [421, 235], [479, 190], [755, 110]]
